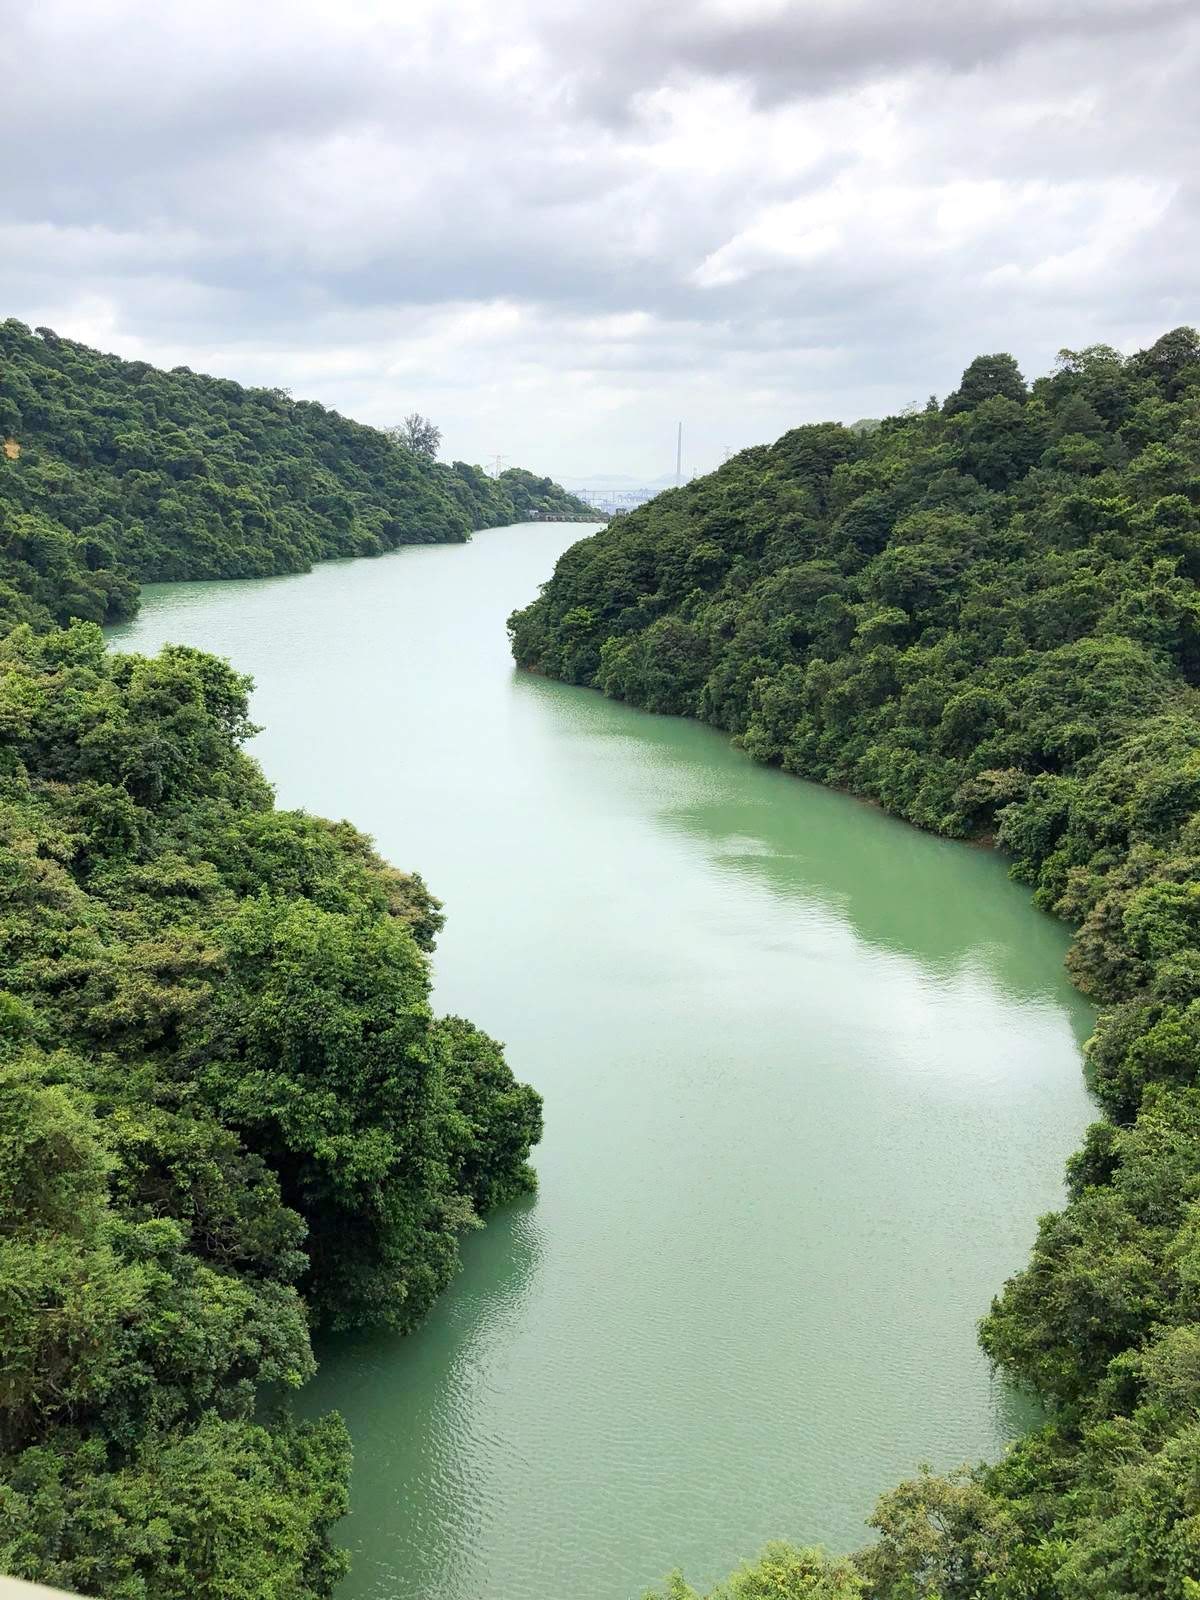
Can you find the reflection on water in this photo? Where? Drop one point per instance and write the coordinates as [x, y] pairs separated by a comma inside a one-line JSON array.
[[810, 1077], [745, 819], [421, 1476]]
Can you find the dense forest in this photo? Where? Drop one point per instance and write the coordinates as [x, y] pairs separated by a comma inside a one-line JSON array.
[[114, 471], [228, 1114], [984, 616]]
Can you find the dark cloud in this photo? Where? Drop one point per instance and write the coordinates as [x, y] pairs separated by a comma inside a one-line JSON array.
[[780, 51], [556, 226]]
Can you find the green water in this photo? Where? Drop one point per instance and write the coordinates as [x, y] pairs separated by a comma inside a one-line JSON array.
[[810, 1077]]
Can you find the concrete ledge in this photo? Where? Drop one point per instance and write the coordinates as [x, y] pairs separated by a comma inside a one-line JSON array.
[[17, 1589]]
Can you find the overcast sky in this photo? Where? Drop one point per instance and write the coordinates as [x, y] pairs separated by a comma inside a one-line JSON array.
[[558, 226]]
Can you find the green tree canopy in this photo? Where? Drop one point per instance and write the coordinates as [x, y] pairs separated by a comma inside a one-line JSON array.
[[227, 1112], [985, 618]]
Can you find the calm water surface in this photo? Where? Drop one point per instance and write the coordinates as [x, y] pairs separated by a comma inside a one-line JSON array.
[[810, 1077]]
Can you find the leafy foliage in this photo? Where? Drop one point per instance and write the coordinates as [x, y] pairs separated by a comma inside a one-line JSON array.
[[781, 1573], [985, 617], [418, 434], [113, 471], [227, 1112]]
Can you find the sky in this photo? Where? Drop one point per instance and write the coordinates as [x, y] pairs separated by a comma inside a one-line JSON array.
[[559, 227]]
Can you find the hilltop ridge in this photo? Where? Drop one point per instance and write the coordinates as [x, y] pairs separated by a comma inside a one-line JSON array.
[[117, 472]]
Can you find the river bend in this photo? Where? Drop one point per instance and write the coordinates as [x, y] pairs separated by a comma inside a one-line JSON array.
[[810, 1077]]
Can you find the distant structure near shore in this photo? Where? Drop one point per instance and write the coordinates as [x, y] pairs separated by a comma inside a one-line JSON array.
[[610, 500], [555, 516], [612, 493]]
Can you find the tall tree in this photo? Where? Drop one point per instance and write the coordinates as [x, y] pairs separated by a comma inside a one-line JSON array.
[[418, 434], [984, 379]]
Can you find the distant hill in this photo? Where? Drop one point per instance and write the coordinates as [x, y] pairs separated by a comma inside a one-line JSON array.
[[115, 471], [535, 498]]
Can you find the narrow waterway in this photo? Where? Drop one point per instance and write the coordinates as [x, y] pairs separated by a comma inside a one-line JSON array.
[[810, 1077]]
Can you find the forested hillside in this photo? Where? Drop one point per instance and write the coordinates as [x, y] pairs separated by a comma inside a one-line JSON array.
[[113, 471], [227, 1113], [985, 617]]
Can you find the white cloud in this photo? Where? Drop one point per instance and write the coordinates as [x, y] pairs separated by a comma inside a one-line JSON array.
[[558, 227]]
